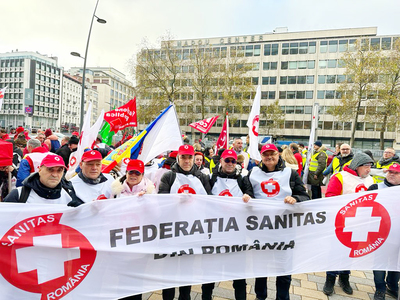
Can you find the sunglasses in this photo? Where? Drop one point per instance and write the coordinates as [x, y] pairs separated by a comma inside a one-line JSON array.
[[137, 173], [227, 160]]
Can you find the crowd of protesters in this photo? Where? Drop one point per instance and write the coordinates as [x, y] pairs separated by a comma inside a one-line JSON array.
[[36, 175]]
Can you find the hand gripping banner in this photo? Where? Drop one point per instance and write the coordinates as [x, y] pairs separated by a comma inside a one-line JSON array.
[[113, 248]]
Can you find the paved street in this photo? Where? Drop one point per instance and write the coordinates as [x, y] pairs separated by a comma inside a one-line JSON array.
[[304, 287]]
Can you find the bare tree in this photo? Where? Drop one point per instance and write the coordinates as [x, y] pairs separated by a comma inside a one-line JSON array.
[[274, 116], [362, 73], [156, 71]]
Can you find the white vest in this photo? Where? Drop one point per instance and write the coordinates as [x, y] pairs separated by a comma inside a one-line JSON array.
[[187, 184], [226, 187], [37, 158], [89, 192], [274, 185], [35, 198], [354, 184]]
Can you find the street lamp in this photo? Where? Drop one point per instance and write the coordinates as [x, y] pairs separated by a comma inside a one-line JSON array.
[[101, 21]]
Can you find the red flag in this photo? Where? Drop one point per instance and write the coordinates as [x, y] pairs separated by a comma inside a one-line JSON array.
[[122, 117], [223, 139], [205, 125]]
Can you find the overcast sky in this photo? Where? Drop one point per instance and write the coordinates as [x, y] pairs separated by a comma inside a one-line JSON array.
[[56, 27]]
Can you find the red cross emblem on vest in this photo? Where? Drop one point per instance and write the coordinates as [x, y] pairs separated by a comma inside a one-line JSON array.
[[225, 193], [361, 188], [270, 187], [186, 189]]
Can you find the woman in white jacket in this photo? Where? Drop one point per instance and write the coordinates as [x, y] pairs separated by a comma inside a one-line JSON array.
[[133, 182]]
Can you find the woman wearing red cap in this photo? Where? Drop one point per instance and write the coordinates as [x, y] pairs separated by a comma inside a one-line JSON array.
[[133, 182]]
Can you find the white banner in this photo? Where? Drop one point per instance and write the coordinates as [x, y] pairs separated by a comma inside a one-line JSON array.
[[114, 248]]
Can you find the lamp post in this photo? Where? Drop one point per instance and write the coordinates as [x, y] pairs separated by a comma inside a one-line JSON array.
[[101, 21]]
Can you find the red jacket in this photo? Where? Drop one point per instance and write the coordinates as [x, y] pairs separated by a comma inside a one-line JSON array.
[[299, 159], [335, 186]]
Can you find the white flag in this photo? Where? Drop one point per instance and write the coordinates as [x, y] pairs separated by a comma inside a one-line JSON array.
[[164, 135], [2, 93], [253, 123]]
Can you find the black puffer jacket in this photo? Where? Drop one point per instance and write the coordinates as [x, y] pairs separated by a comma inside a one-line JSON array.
[[296, 184], [33, 183], [167, 180], [244, 185]]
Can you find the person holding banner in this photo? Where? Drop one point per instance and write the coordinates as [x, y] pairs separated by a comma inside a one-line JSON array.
[[353, 179], [387, 281], [228, 182], [46, 185], [273, 180], [90, 183], [183, 178], [133, 183]]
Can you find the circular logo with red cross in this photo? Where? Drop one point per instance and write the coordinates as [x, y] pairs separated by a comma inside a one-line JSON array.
[[40, 255], [225, 193], [73, 161], [186, 189], [361, 188], [255, 125], [362, 225], [270, 187]]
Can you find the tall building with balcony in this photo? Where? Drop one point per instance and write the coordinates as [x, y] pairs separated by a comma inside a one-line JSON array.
[[71, 102], [32, 98], [113, 88], [299, 69]]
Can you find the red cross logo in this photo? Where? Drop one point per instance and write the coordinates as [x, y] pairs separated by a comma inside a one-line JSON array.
[[72, 162], [126, 161], [271, 187], [186, 189], [361, 188], [255, 125], [66, 262], [362, 225], [225, 193]]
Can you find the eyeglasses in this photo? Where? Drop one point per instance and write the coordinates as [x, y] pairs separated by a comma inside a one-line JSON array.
[[388, 152], [345, 149], [137, 173], [227, 160]]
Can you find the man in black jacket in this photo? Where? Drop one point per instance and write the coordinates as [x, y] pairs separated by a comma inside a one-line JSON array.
[[273, 180], [227, 181], [46, 186], [183, 178], [66, 150]]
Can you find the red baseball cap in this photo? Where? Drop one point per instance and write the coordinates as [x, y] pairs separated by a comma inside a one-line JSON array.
[[268, 147], [91, 155], [229, 153], [75, 133], [53, 160], [135, 164], [394, 167], [186, 150]]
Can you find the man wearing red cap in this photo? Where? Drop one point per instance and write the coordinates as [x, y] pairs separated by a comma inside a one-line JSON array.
[[46, 185], [226, 181], [273, 180], [387, 281], [183, 178], [90, 184]]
